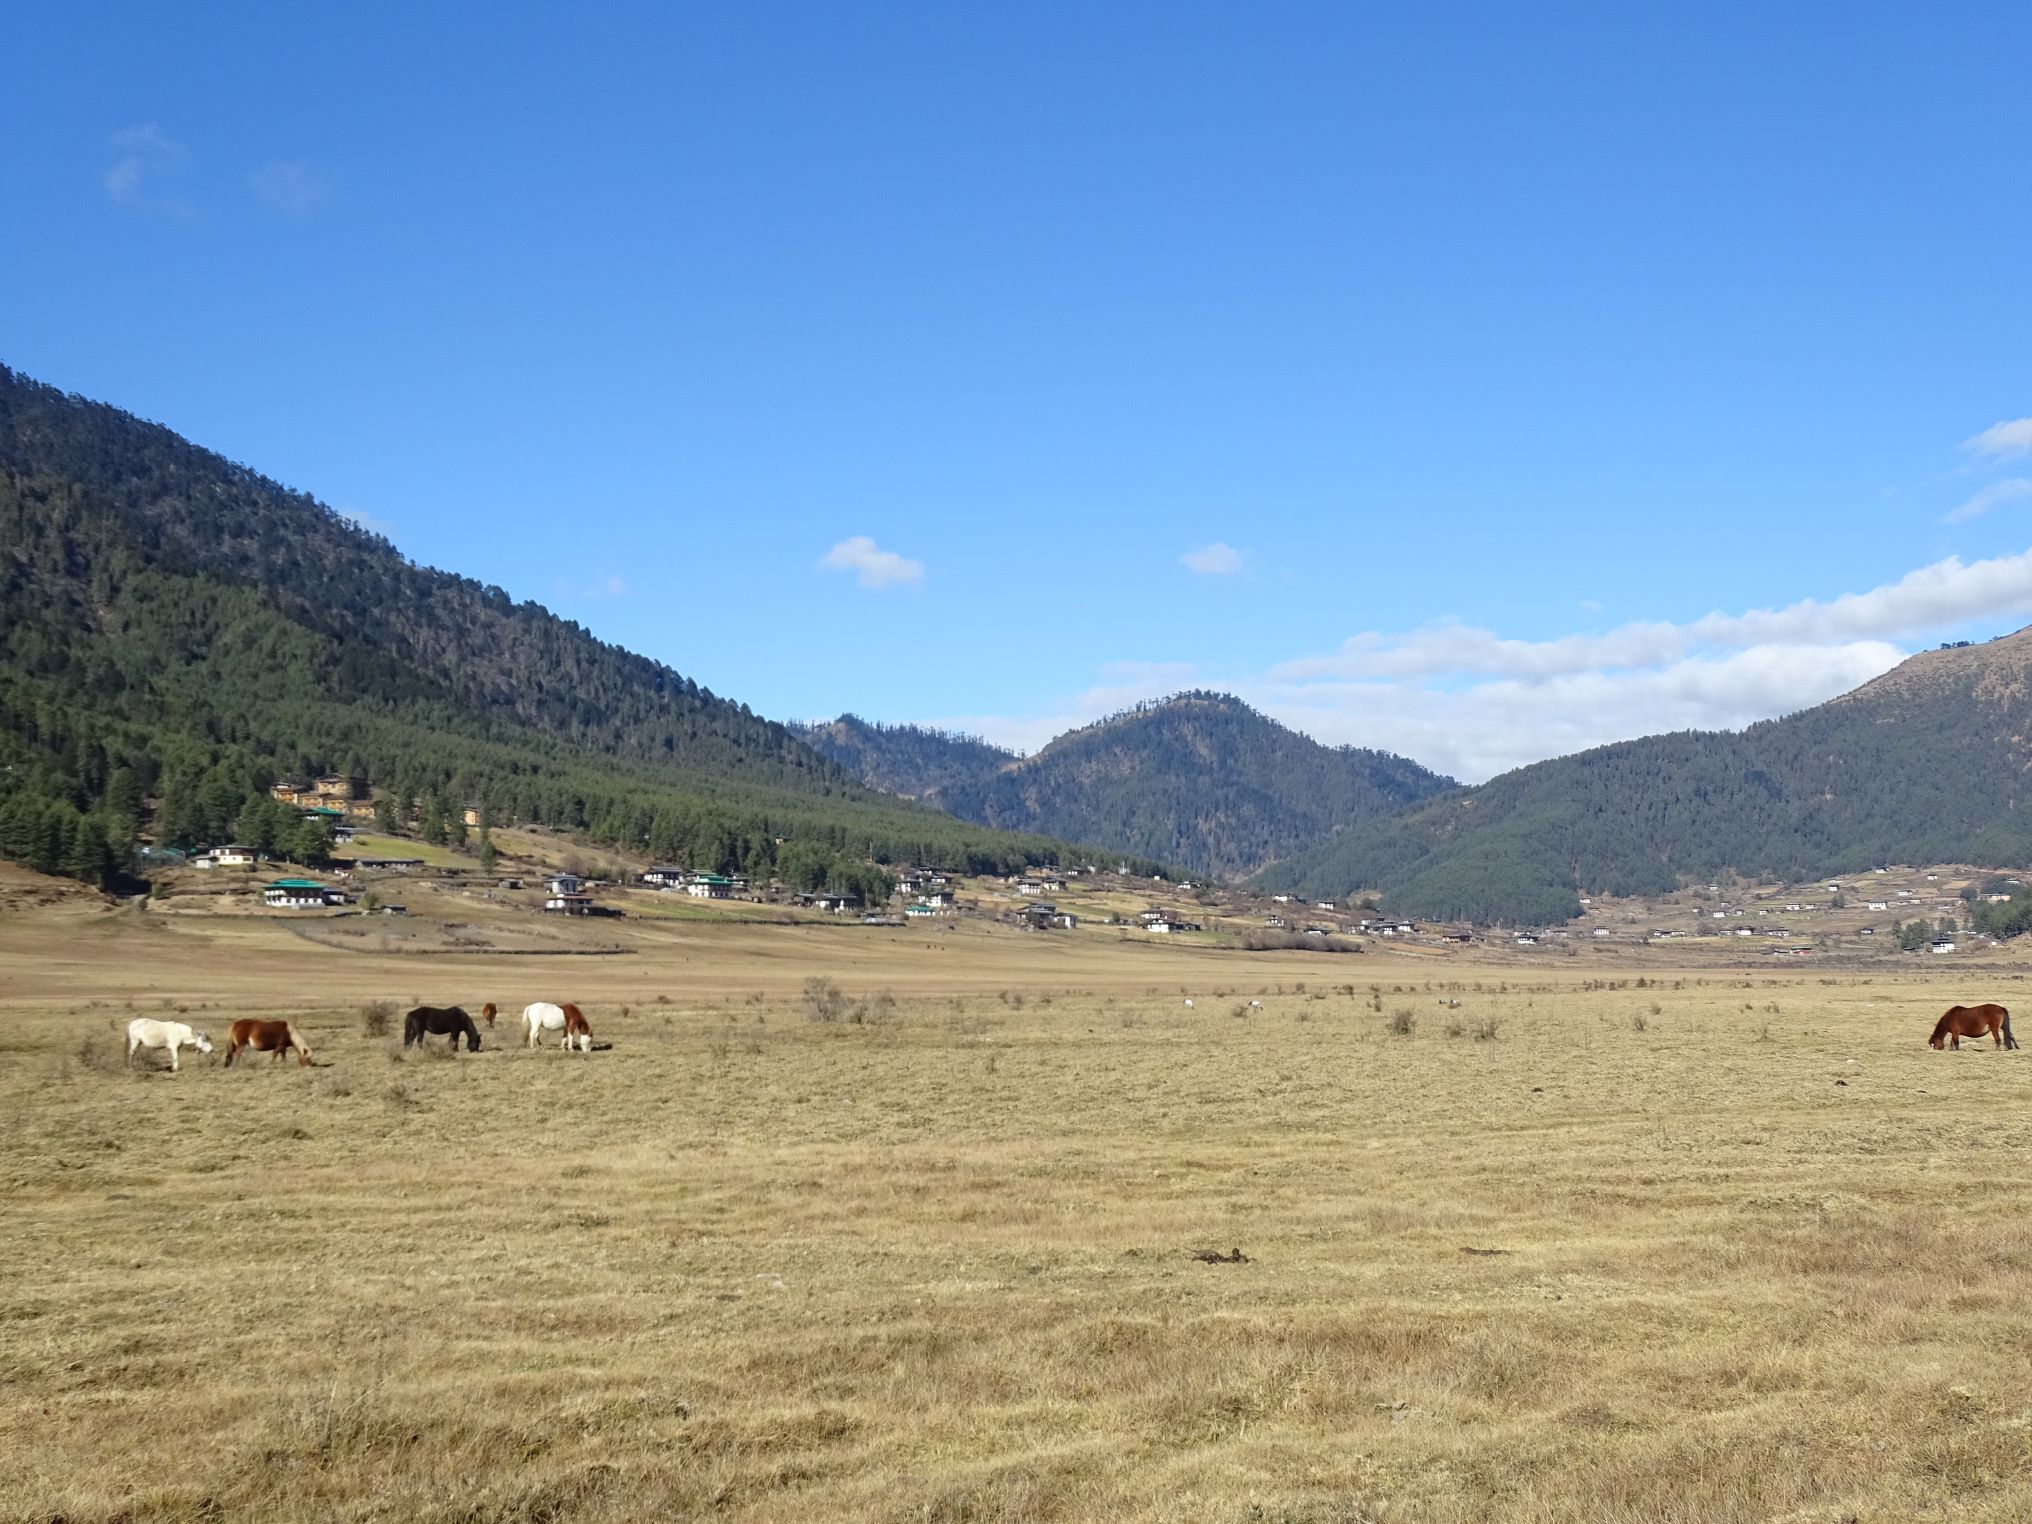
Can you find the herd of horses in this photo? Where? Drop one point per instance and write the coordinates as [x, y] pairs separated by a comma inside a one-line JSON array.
[[280, 1037], [576, 1033]]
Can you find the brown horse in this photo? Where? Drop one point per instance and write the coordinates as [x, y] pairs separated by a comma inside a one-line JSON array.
[[487, 1014], [1991, 1021], [276, 1037]]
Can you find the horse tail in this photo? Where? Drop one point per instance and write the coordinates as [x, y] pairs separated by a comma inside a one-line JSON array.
[[2009, 1040]]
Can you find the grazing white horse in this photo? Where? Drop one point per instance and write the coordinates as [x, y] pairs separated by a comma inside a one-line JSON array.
[[544, 1017], [146, 1032]]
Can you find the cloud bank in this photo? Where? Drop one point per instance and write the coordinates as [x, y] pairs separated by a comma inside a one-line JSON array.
[[1473, 703]]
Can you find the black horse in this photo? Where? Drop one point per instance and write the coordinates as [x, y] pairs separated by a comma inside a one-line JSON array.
[[429, 1020]]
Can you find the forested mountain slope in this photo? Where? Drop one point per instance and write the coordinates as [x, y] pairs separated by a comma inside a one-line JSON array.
[[912, 761], [175, 627], [1925, 764], [1200, 780]]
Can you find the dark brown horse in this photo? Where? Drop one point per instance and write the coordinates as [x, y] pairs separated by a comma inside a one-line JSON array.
[[276, 1037], [430, 1020], [1991, 1021], [487, 1015]]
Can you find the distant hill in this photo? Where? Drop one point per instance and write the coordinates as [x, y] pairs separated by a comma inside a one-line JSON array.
[[908, 760], [177, 630], [1927, 763], [1200, 780]]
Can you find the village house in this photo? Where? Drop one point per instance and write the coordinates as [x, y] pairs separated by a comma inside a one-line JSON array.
[[574, 903], [1943, 944], [396, 864], [709, 886], [833, 904], [1164, 925], [664, 876], [1525, 939], [298, 894], [225, 857], [920, 912], [566, 883]]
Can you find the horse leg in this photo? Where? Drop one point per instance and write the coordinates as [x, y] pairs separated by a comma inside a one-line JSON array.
[[172, 1055]]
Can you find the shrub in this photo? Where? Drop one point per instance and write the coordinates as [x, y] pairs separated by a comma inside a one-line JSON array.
[[1455, 1027], [1402, 1022], [1639, 1022], [824, 1000], [1486, 1032], [376, 1017]]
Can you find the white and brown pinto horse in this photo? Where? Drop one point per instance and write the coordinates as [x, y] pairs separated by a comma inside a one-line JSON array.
[[146, 1032], [567, 1018]]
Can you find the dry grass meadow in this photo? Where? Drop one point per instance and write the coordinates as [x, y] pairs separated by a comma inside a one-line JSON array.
[[1731, 1246]]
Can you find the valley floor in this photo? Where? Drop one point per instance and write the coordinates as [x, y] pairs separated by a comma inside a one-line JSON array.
[[1729, 1246]]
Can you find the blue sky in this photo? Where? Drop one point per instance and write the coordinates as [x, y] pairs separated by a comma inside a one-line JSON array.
[[1464, 382]]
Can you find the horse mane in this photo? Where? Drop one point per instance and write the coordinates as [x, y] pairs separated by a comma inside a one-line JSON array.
[[1940, 1026], [296, 1037]]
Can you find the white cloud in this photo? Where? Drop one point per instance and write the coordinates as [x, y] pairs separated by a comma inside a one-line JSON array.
[[145, 156], [2001, 441], [1215, 560], [871, 565], [2010, 490], [1471, 703], [1947, 592], [1481, 729], [289, 186]]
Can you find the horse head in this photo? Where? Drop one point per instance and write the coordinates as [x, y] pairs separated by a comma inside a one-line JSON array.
[[201, 1042]]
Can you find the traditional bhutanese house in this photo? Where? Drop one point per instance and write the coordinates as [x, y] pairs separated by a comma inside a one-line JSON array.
[[398, 864], [709, 886], [836, 904], [919, 912], [1065, 920], [296, 894], [567, 884], [569, 904], [665, 877], [224, 857], [324, 812]]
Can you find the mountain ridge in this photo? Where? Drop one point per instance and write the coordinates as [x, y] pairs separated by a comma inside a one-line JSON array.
[[1925, 763], [1199, 779]]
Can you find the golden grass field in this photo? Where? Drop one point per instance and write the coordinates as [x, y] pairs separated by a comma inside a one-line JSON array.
[[1732, 1246]]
